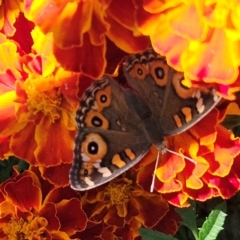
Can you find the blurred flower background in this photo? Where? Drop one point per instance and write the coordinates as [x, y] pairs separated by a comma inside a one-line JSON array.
[[50, 51]]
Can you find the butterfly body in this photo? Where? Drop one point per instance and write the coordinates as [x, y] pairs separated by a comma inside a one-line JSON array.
[[117, 126]]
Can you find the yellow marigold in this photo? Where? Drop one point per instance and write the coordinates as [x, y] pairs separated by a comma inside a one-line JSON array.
[[200, 38]]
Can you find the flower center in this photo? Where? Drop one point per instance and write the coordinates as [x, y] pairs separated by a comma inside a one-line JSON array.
[[42, 97], [118, 193], [22, 230]]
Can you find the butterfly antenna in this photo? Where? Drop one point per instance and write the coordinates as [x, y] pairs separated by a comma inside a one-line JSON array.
[[181, 155], [156, 164], [154, 175]]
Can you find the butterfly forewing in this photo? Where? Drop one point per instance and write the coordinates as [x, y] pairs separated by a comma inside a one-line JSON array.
[[109, 140]]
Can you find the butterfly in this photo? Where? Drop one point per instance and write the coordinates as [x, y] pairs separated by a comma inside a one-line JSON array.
[[117, 125]]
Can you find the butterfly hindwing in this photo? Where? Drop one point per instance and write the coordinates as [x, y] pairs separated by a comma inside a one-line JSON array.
[[109, 140]]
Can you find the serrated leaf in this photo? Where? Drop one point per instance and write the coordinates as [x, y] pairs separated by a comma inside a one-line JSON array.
[[214, 223], [188, 216], [148, 234]]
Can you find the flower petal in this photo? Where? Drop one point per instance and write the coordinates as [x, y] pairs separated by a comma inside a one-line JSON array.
[[24, 194], [49, 212], [88, 58], [151, 207], [57, 175], [26, 136], [49, 134], [125, 39], [71, 216]]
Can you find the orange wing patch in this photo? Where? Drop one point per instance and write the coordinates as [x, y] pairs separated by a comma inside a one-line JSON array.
[[187, 113], [103, 99], [139, 71], [96, 119], [93, 148], [130, 153], [159, 71], [177, 121], [116, 160]]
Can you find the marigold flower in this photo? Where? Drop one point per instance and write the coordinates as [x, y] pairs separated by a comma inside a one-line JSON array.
[[200, 38], [39, 100], [124, 207], [82, 47], [31, 208], [215, 151]]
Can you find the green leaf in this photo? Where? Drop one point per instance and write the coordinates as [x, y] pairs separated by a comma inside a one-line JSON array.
[[6, 167], [213, 224], [236, 131], [231, 121], [188, 216], [148, 234], [222, 207], [22, 166]]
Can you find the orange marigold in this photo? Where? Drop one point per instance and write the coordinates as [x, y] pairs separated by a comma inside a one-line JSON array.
[[82, 30], [124, 207], [215, 151], [38, 100], [31, 208]]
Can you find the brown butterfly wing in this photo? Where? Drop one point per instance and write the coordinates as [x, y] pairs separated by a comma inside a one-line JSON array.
[[174, 107], [110, 137]]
